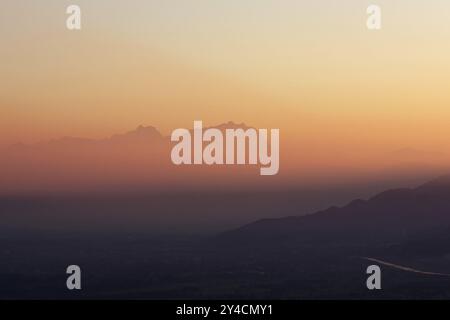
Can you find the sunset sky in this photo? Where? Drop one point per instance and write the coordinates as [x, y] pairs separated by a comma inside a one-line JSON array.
[[318, 144], [310, 68]]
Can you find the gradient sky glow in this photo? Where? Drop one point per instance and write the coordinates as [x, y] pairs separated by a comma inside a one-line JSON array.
[[310, 68]]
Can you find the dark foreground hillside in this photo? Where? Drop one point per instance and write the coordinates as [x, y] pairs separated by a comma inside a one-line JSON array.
[[320, 256]]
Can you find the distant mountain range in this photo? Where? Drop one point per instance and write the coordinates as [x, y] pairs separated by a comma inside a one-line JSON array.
[[141, 135], [140, 159]]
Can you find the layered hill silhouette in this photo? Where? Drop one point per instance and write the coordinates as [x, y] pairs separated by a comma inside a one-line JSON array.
[[392, 216], [148, 135], [137, 158], [321, 255], [140, 159]]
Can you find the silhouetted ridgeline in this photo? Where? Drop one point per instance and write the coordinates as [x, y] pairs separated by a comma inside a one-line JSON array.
[[391, 216]]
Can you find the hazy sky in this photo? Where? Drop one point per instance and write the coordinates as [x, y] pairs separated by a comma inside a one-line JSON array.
[[310, 68]]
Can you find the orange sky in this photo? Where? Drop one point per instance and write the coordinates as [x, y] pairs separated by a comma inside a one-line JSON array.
[[338, 92]]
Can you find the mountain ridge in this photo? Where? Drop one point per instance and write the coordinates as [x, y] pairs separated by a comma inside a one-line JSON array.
[[141, 133], [390, 215]]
